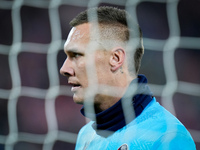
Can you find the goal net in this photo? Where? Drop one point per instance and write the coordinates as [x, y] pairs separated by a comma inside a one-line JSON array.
[[36, 107]]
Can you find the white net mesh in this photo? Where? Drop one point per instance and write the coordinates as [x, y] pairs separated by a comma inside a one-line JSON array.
[[37, 111]]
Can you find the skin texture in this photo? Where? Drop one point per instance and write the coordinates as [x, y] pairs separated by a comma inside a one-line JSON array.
[[110, 69]]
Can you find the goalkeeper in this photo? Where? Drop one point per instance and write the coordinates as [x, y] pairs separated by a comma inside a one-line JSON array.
[[126, 115]]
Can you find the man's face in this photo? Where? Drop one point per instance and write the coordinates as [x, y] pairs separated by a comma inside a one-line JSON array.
[[80, 51]]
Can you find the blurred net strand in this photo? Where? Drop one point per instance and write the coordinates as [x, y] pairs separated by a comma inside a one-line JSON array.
[[53, 91], [15, 76], [168, 54], [51, 50]]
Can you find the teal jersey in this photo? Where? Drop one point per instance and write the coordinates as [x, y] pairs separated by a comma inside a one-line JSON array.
[[154, 129]]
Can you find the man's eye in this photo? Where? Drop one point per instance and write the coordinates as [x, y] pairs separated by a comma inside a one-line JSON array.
[[76, 55]]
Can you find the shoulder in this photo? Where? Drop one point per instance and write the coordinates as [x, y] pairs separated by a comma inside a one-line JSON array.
[[179, 140], [157, 127], [85, 133], [157, 117], [86, 129]]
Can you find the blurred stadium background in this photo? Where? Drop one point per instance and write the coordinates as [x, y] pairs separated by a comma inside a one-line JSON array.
[[36, 108]]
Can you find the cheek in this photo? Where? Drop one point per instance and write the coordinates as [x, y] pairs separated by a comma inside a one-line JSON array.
[[80, 64], [81, 73], [81, 69], [103, 71]]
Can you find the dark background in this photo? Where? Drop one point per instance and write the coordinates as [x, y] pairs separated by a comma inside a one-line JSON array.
[[33, 63]]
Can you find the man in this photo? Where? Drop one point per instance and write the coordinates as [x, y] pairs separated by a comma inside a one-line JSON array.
[[104, 52]]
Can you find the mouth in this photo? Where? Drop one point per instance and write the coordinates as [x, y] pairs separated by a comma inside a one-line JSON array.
[[75, 87]]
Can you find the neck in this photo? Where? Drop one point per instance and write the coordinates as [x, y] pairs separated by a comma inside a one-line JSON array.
[[114, 118], [106, 102], [103, 102]]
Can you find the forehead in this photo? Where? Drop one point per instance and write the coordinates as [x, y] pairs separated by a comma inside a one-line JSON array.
[[79, 35]]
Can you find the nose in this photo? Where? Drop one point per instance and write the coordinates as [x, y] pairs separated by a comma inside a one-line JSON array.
[[66, 69]]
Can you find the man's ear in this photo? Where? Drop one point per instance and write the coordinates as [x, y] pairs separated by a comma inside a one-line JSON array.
[[117, 58]]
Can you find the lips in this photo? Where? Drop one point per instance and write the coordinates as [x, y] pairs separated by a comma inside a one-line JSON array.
[[75, 86]]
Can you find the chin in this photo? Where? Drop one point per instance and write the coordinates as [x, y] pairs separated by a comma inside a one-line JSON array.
[[78, 100]]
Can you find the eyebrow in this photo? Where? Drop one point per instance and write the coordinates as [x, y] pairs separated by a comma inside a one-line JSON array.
[[73, 50]]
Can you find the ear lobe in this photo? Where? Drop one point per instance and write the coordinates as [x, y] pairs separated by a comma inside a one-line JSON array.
[[117, 58]]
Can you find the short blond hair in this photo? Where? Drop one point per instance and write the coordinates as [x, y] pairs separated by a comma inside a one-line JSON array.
[[115, 21]]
